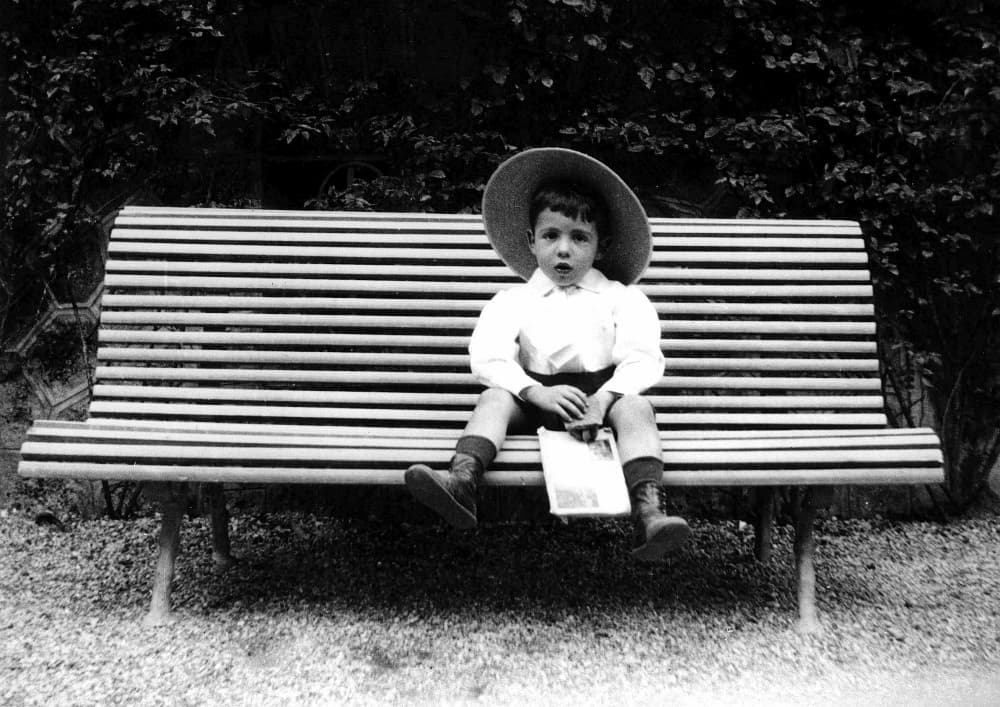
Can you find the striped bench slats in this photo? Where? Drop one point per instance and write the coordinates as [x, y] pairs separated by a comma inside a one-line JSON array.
[[464, 400], [423, 360], [448, 272], [665, 241], [239, 284], [372, 321], [420, 438], [274, 339], [334, 461], [210, 302], [392, 476], [837, 457], [309, 254], [256, 345], [348, 455], [431, 378], [436, 416]]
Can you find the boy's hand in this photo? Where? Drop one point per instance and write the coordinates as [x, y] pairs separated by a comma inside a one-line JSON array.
[[586, 427], [566, 401]]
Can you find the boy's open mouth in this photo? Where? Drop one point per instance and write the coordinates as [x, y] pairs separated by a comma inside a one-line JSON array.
[[563, 268]]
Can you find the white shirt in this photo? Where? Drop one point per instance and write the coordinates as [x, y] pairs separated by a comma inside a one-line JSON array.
[[547, 329]]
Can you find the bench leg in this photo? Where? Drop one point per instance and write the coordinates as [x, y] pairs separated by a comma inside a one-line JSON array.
[[173, 502], [221, 553], [809, 500], [764, 522]]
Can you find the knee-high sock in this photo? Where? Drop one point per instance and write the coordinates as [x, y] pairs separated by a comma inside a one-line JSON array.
[[480, 448], [641, 470]]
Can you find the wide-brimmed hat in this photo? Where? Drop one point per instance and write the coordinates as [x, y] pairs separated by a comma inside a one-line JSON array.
[[508, 195]]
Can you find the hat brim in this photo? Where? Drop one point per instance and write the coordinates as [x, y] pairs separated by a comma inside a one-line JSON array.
[[508, 195]]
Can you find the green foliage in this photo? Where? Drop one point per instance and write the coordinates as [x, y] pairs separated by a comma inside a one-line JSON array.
[[896, 126], [882, 112]]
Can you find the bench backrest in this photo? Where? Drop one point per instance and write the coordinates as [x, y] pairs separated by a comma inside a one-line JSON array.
[[362, 320]]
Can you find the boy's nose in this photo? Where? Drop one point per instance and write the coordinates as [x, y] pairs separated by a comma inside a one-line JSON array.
[[562, 246]]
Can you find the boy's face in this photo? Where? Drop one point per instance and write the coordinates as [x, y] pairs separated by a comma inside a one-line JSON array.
[[565, 248]]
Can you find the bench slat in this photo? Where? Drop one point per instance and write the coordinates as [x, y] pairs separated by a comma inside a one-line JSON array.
[[324, 456], [376, 377], [259, 430], [106, 432], [366, 221], [124, 409], [513, 478], [275, 254], [662, 241], [333, 359], [166, 281], [452, 272], [350, 397], [383, 322], [290, 339], [112, 301]]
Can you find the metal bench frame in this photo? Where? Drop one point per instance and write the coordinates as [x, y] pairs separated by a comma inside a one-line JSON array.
[[329, 348]]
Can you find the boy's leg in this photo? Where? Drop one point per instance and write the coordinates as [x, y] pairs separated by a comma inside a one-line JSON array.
[[655, 533], [452, 494]]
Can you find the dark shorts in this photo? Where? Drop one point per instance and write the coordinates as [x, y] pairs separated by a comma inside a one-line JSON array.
[[588, 382]]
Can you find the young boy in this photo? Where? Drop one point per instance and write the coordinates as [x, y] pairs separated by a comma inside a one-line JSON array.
[[571, 348]]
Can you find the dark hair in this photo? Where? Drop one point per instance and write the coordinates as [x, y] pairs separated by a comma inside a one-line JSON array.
[[573, 200]]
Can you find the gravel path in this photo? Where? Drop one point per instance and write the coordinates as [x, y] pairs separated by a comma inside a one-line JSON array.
[[321, 611]]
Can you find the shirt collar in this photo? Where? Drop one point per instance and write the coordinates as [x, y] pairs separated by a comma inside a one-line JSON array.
[[594, 281]]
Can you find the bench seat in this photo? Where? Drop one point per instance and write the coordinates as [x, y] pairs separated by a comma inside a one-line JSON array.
[[252, 346], [233, 453]]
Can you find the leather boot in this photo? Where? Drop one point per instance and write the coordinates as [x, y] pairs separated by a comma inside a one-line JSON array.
[[655, 533], [451, 494]]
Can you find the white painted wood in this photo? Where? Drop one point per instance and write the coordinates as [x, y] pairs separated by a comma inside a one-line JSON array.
[[291, 376], [466, 323], [118, 408], [663, 242], [132, 432], [735, 437], [237, 366], [319, 456], [311, 358], [350, 397], [285, 252], [115, 301], [512, 478], [312, 339], [207, 411], [286, 339], [166, 281], [377, 377], [439, 359], [498, 272]]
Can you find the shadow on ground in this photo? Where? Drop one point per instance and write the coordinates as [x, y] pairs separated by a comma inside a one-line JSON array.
[[537, 570]]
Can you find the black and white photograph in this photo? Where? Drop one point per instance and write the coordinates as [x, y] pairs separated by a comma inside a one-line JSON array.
[[500, 352]]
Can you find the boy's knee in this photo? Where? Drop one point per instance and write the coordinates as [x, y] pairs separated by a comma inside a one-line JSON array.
[[634, 409], [496, 399]]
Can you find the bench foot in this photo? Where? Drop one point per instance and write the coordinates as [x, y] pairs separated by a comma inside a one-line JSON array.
[[221, 554], [764, 499], [154, 619], [808, 501], [173, 502]]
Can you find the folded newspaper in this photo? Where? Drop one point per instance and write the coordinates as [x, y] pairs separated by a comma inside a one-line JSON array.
[[583, 478]]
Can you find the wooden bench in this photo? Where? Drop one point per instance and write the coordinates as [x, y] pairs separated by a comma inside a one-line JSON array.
[[330, 348]]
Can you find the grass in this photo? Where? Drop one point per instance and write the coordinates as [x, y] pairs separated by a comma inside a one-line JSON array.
[[321, 611]]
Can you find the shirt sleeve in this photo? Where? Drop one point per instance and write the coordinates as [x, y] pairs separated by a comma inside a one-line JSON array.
[[493, 348], [636, 352]]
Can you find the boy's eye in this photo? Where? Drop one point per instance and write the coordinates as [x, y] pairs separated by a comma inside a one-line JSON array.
[[581, 237]]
